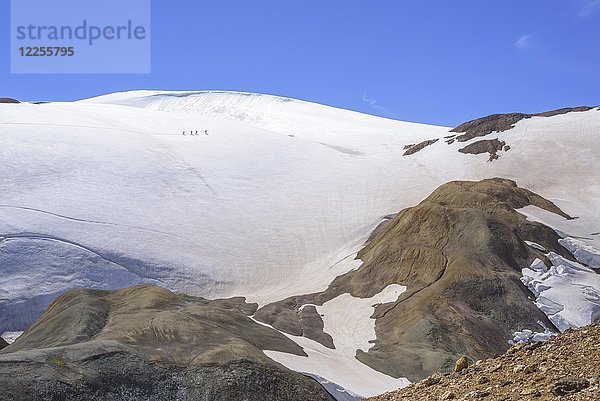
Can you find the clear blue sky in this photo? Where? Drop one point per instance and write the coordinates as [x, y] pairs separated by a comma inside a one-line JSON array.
[[440, 62]]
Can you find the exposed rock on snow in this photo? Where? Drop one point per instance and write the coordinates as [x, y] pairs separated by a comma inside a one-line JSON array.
[[491, 146], [503, 122], [297, 320], [412, 149]]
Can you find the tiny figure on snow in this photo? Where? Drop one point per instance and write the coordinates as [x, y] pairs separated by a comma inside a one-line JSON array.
[[196, 132], [183, 132], [205, 132]]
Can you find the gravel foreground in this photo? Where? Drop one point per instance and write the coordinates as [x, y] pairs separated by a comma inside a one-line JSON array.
[[566, 367]]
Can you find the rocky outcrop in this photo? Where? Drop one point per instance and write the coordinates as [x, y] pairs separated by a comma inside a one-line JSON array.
[[486, 125], [290, 317], [8, 100], [145, 342], [491, 146], [412, 149], [3, 344], [563, 366], [459, 253], [503, 122]]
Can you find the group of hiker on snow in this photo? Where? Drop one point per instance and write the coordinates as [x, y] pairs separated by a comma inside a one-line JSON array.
[[196, 133]]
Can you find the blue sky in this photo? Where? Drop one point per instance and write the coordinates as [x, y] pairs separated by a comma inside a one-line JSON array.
[[440, 62]]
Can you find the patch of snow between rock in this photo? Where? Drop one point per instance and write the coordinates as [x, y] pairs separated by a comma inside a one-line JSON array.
[[349, 322], [11, 336], [536, 246], [529, 336]]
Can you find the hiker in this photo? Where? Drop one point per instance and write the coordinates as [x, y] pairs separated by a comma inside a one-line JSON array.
[[183, 132], [196, 132], [205, 132]]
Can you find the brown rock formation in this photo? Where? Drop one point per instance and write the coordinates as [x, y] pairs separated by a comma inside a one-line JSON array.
[[146, 342], [459, 252]]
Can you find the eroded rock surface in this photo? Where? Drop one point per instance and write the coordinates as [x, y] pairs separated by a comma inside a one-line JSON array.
[[147, 343]]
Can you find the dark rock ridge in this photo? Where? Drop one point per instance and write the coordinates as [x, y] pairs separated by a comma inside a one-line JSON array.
[[491, 146], [412, 149], [8, 100], [147, 343], [3, 344], [122, 376], [460, 253], [503, 122], [563, 366]]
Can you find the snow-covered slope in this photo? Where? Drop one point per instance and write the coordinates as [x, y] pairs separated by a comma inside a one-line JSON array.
[[275, 201], [352, 132], [109, 186]]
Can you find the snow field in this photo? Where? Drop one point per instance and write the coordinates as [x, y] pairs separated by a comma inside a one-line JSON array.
[[567, 292]]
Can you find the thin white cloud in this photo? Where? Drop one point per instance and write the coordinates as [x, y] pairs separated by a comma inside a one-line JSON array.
[[589, 7], [524, 42], [373, 104]]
